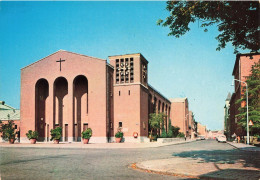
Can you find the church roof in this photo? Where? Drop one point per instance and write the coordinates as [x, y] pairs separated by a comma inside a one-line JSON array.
[[65, 51]]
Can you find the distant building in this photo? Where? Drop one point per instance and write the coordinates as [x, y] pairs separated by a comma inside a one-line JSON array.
[[226, 116], [180, 114], [214, 134], [242, 68], [9, 113], [202, 130], [191, 125]]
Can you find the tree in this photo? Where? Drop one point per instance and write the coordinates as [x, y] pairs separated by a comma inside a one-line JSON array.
[[175, 131], [237, 21], [253, 83], [170, 133], [155, 122], [8, 130]]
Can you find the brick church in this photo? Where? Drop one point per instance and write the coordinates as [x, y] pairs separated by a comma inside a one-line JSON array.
[[75, 91]]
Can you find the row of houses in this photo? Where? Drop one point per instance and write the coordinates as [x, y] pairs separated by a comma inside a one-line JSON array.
[[242, 69]]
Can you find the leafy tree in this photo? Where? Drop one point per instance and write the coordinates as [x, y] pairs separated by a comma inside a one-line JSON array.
[[175, 131], [7, 130], [253, 82], [237, 21], [170, 132], [164, 134], [155, 122], [181, 135]]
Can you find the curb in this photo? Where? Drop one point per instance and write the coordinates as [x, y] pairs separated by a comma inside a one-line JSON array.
[[241, 149], [135, 166], [71, 146]]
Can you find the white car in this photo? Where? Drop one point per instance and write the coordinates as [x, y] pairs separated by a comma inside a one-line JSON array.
[[222, 139]]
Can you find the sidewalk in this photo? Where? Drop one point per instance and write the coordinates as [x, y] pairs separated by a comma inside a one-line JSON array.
[[198, 168], [195, 168], [80, 145], [244, 147]]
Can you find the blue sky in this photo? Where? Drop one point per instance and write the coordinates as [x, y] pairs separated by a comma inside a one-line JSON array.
[[185, 67]]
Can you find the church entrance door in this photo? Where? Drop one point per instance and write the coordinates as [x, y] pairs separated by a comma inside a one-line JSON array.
[[41, 94]]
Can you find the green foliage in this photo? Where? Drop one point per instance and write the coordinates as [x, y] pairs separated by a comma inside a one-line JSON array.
[[56, 133], [32, 134], [175, 131], [164, 134], [181, 135], [87, 133], [170, 132], [8, 130], [237, 21], [119, 134], [155, 120], [253, 82]]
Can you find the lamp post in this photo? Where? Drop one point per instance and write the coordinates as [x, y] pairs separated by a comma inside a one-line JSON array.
[[247, 126]]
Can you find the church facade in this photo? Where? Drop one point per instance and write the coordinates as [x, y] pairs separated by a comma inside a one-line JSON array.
[[76, 92]]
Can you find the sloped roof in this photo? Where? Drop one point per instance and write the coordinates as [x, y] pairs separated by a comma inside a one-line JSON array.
[[64, 51], [8, 113], [5, 106]]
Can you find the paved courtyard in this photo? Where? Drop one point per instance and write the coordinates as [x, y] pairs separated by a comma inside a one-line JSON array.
[[65, 163]]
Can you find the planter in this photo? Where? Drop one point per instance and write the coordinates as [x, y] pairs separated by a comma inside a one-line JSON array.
[[11, 141], [85, 141], [56, 141], [118, 140], [33, 141]]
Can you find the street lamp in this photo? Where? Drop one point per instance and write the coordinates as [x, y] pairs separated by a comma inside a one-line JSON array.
[[247, 126]]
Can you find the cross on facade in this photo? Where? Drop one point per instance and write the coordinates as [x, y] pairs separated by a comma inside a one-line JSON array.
[[60, 61]]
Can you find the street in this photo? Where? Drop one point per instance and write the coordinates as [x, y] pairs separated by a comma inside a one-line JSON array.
[[49, 163]]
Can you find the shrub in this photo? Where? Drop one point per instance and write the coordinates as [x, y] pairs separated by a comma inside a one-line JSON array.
[[170, 133], [164, 135], [8, 130], [32, 134], [181, 135], [119, 134], [56, 133], [87, 133], [175, 131]]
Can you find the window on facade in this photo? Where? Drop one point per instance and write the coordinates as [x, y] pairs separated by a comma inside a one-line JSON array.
[[144, 72], [117, 71], [120, 124], [131, 70], [129, 92], [15, 126], [124, 70], [119, 93]]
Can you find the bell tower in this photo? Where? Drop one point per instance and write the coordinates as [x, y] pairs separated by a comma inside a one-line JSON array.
[[130, 95]]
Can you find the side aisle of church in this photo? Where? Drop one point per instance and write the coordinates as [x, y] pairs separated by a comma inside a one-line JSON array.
[[75, 91]]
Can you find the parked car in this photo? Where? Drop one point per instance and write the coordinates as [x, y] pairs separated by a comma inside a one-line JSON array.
[[200, 138], [256, 141], [222, 138]]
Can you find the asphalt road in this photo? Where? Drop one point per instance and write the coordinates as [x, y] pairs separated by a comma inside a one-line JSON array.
[[42, 163]]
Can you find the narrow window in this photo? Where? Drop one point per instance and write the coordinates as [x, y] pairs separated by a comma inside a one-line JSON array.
[[15, 126], [129, 92], [120, 124], [119, 93]]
